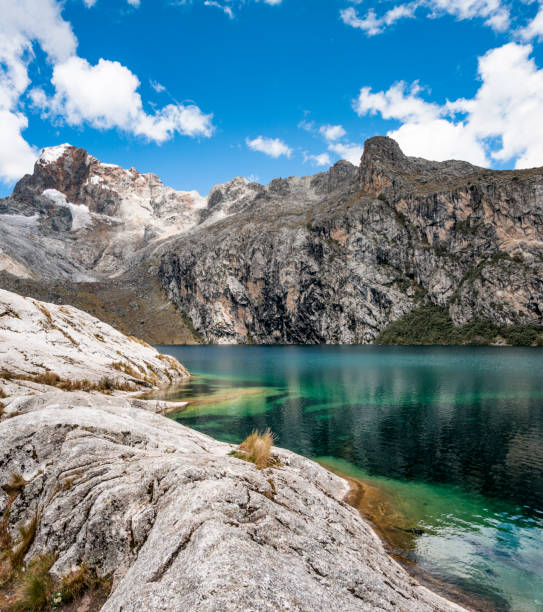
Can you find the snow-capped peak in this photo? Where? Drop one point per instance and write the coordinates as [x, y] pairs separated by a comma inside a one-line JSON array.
[[49, 155]]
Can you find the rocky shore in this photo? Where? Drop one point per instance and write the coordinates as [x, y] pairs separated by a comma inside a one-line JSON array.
[[143, 513]]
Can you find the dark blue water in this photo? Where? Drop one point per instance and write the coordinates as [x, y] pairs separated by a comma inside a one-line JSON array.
[[450, 438]]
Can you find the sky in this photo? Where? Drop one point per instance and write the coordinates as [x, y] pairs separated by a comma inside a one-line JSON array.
[[200, 91]]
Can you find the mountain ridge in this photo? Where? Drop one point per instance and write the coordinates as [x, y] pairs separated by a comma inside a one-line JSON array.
[[333, 257]]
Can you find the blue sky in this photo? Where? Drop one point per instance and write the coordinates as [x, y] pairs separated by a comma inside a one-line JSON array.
[[198, 92]]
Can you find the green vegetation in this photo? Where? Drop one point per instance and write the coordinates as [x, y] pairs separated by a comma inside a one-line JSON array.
[[34, 588], [431, 324]]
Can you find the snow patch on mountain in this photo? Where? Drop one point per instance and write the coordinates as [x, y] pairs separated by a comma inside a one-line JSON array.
[[50, 155], [80, 212]]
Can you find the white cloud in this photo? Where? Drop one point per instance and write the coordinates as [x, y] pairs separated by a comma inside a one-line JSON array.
[[22, 22], [333, 135], [323, 159], [105, 96], [90, 3], [495, 13], [534, 29], [332, 132], [224, 5], [274, 147], [17, 157], [371, 23], [502, 122], [350, 151], [158, 87]]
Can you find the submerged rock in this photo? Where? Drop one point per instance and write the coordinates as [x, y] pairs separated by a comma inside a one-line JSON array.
[[179, 524]]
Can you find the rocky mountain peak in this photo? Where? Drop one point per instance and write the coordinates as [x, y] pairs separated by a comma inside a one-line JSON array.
[[384, 166], [382, 148], [90, 218], [64, 168]]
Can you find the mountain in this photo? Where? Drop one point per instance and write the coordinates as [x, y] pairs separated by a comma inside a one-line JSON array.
[[399, 249]]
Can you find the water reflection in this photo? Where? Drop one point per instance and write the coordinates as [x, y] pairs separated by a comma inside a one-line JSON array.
[[454, 435]]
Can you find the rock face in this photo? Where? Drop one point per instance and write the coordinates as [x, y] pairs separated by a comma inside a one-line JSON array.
[[336, 258], [331, 258], [181, 525], [87, 219], [39, 339]]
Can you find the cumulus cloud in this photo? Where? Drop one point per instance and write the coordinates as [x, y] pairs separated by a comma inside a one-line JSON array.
[[105, 96], [16, 155], [323, 159], [350, 151], [332, 132], [22, 23], [274, 147], [534, 29], [495, 13], [334, 137], [502, 122]]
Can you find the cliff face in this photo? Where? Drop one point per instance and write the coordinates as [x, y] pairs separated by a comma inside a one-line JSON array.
[[337, 257], [331, 258], [79, 219]]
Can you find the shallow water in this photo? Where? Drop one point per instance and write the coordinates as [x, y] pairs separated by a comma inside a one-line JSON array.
[[451, 440]]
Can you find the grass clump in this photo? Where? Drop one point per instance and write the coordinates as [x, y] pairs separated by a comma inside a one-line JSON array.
[[28, 532], [34, 589], [47, 378], [15, 484], [105, 385], [74, 585], [256, 448]]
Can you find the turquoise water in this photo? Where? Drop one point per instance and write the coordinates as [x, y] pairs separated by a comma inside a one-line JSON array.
[[450, 438]]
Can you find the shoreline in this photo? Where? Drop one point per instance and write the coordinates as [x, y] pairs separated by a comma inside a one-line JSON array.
[[377, 509]]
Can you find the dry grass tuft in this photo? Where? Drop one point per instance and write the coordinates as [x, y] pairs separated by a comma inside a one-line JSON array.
[[105, 385], [142, 342], [16, 483], [47, 378], [256, 448], [44, 312], [78, 582], [28, 533], [126, 368]]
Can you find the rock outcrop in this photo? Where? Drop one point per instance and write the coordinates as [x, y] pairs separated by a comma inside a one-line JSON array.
[[335, 257], [86, 220], [46, 344], [179, 524]]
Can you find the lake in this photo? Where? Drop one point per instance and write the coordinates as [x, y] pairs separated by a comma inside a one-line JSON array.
[[448, 440]]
